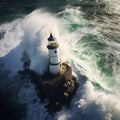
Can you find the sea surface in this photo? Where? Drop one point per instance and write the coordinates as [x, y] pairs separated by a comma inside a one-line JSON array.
[[88, 32]]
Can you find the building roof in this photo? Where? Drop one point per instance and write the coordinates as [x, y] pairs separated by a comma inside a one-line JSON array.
[[51, 38]]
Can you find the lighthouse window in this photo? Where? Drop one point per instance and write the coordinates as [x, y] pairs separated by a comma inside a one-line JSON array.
[[55, 51]]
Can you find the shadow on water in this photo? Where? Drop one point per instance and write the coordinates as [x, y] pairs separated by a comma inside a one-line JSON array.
[[10, 108]]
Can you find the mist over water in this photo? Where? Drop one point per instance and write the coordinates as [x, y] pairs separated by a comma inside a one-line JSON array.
[[89, 41]]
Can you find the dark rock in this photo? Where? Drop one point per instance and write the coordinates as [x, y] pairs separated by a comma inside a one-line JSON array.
[[58, 89]]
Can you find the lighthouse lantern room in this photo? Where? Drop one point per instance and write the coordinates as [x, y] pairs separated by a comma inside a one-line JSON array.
[[54, 59]]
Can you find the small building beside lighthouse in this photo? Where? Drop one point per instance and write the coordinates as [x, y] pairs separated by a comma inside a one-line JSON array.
[[54, 57]]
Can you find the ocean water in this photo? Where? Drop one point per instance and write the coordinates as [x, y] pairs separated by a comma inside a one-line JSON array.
[[88, 34]]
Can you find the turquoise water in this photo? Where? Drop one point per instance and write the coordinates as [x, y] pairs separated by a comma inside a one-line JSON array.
[[88, 34]]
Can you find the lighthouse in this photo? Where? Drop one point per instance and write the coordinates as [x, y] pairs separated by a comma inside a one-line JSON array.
[[57, 84], [54, 58]]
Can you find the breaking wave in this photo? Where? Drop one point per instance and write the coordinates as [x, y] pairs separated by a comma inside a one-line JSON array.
[[82, 45]]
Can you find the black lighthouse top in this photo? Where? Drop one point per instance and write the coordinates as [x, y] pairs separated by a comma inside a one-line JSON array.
[[52, 43], [51, 38]]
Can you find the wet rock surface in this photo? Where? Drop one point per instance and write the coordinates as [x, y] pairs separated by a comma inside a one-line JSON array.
[[58, 90]]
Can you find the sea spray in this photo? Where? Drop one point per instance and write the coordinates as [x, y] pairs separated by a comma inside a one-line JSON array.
[[37, 29], [100, 94], [12, 36], [86, 51], [81, 49], [32, 33]]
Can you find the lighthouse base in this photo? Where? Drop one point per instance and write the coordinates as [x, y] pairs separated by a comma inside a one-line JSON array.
[[61, 94], [58, 89]]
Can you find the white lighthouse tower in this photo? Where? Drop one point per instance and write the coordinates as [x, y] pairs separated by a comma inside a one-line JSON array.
[[54, 59]]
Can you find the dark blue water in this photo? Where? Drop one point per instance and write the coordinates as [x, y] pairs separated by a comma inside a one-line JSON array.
[[12, 9]]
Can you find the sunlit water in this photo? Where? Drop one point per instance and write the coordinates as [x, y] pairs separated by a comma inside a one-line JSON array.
[[88, 34]]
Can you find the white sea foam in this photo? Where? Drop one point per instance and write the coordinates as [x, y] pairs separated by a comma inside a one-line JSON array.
[[28, 34], [37, 28], [89, 102], [12, 38], [31, 34]]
